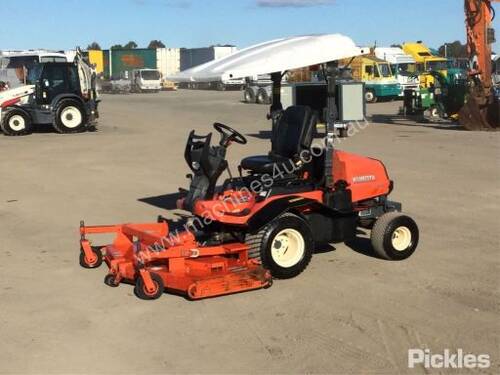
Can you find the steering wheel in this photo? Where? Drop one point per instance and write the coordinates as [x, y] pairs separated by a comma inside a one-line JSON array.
[[229, 135]]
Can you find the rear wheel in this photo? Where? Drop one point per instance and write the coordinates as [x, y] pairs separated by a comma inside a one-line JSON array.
[[16, 122], [70, 117], [434, 112], [394, 236], [284, 246], [262, 97]]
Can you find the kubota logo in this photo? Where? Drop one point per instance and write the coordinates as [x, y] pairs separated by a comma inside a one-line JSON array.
[[367, 178], [132, 60]]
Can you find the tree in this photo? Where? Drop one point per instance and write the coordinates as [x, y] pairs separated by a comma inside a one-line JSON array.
[[94, 45], [156, 44], [396, 46], [455, 49], [116, 46], [130, 45]]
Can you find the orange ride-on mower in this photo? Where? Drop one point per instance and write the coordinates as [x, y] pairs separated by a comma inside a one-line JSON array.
[[264, 223]]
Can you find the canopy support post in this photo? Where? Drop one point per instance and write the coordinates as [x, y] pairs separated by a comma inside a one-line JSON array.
[[276, 108], [332, 115]]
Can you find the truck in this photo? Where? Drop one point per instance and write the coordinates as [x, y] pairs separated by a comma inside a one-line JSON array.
[[258, 89], [145, 80], [426, 62], [57, 92], [403, 66], [377, 76]]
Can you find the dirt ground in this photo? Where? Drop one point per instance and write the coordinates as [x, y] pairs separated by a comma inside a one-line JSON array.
[[349, 312]]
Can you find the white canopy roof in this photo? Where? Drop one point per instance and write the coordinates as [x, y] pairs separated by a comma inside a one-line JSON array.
[[274, 56]]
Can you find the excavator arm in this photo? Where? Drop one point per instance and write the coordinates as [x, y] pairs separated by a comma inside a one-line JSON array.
[[481, 110]]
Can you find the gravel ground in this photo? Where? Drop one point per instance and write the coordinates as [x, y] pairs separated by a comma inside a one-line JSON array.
[[348, 313]]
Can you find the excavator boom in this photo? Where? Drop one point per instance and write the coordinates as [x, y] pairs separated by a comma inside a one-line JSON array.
[[481, 110]]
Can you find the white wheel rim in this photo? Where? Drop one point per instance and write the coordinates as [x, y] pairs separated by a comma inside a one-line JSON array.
[[17, 123], [401, 238], [287, 248], [369, 96], [71, 117]]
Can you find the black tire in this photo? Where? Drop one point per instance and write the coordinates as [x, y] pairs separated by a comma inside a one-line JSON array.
[[366, 223], [370, 96], [262, 97], [83, 260], [249, 96], [260, 245], [16, 122], [67, 110], [384, 235], [140, 289], [110, 280]]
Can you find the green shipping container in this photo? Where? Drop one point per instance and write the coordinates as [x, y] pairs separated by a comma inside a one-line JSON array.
[[123, 60]]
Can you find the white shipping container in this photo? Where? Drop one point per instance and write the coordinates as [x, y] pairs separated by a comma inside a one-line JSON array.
[[220, 52], [168, 61]]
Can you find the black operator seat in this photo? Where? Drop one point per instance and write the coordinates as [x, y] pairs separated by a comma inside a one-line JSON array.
[[292, 135]]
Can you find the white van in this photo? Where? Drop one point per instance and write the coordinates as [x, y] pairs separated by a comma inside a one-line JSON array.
[[403, 66]]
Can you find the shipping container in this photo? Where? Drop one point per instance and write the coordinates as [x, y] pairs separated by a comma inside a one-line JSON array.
[[122, 61], [196, 56], [168, 61], [96, 58]]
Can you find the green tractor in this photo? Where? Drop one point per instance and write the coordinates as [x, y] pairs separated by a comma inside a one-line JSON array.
[[442, 99]]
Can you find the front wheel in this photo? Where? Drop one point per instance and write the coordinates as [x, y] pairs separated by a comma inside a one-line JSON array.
[[69, 117], [249, 96], [394, 236], [284, 246], [16, 122], [143, 293], [370, 96], [91, 263]]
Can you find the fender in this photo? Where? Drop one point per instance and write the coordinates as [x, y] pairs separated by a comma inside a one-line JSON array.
[[5, 110], [61, 97], [276, 208]]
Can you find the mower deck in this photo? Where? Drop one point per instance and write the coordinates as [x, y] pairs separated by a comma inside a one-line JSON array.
[[147, 255]]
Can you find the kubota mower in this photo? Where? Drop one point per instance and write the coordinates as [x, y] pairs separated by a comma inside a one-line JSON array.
[[266, 222]]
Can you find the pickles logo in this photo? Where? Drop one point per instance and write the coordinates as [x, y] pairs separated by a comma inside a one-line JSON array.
[[447, 359], [132, 60]]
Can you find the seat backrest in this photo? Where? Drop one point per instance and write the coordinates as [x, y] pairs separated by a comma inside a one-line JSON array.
[[294, 131]]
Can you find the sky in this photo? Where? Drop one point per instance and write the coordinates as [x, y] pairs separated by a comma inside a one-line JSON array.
[[64, 24]]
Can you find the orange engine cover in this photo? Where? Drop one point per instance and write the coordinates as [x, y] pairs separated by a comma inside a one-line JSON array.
[[366, 177]]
